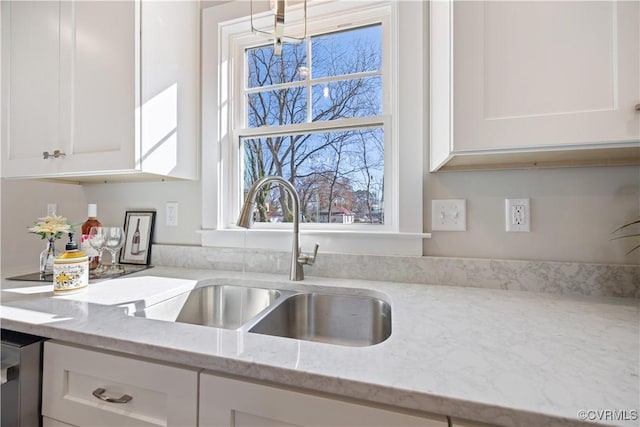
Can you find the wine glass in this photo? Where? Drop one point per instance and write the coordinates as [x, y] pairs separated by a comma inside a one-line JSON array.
[[97, 242], [114, 239]]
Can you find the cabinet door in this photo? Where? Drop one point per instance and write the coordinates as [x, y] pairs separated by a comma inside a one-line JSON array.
[[233, 403], [159, 395], [101, 89], [526, 83], [530, 74], [30, 42]]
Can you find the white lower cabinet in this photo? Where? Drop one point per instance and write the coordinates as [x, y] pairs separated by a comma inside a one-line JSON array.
[[234, 403], [82, 387]]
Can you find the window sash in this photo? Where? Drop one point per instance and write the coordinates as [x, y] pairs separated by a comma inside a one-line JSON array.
[[375, 13], [309, 82], [237, 176]]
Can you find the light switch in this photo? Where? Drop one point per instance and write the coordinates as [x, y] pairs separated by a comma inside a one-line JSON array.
[[449, 215], [171, 211]]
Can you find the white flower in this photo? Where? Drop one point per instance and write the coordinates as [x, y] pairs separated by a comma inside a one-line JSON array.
[[51, 227]]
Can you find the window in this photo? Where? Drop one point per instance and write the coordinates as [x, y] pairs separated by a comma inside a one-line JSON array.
[[315, 116], [323, 115]]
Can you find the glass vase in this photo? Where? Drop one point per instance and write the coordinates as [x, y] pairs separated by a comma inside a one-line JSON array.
[[47, 256]]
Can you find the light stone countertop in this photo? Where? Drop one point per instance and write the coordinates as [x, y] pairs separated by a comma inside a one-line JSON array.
[[501, 357]]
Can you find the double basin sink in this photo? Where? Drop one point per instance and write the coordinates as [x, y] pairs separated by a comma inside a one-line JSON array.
[[350, 320]]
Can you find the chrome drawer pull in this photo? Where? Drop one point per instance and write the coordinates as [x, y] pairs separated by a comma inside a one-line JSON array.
[[56, 154], [99, 393]]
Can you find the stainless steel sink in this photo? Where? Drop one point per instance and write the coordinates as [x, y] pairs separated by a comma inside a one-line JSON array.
[[221, 306], [329, 318], [348, 320]]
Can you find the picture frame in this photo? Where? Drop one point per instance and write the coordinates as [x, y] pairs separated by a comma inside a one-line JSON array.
[[138, 231]]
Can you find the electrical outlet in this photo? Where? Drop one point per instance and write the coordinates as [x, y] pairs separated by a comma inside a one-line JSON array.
[[449, 215], [518, 215], [171, 211]]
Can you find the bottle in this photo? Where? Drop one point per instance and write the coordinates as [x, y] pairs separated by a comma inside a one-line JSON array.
[[135, 240], [70, 269], [92, 221]]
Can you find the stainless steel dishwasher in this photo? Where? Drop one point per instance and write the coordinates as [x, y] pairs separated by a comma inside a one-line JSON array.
[[21, 356]]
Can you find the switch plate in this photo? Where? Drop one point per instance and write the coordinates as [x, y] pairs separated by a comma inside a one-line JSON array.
[[449, 215], [171, 211], [518, 215]]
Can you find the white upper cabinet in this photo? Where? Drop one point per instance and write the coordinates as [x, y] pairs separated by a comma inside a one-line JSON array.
[[532, 83], [108, 89]]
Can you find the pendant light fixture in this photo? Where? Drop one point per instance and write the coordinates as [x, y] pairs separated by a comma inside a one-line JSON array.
[[279, 9]]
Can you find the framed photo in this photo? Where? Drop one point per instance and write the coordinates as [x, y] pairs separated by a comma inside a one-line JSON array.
[[138, 231]]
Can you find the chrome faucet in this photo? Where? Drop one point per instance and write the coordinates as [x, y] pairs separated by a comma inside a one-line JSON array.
[[245, 220]]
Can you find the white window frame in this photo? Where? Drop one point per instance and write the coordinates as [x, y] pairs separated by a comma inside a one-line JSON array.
[[225, 36], [328, 22]]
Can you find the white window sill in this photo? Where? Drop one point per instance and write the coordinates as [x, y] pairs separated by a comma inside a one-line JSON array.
[[337, 241]]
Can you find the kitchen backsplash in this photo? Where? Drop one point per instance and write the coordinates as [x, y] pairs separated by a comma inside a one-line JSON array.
[[567, 278]]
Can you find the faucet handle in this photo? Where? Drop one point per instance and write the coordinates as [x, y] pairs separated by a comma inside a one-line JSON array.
[[309, 259]]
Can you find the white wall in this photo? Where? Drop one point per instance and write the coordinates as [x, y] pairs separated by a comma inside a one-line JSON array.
[[115, 199], [23, 202], [573, 212]]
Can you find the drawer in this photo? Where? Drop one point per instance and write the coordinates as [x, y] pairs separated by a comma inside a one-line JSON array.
[[150, 393]]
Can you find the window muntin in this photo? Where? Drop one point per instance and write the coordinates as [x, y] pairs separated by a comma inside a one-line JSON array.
[[339, 173]]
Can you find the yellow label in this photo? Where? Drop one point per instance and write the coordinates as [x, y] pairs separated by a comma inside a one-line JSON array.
[[70, 274]]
